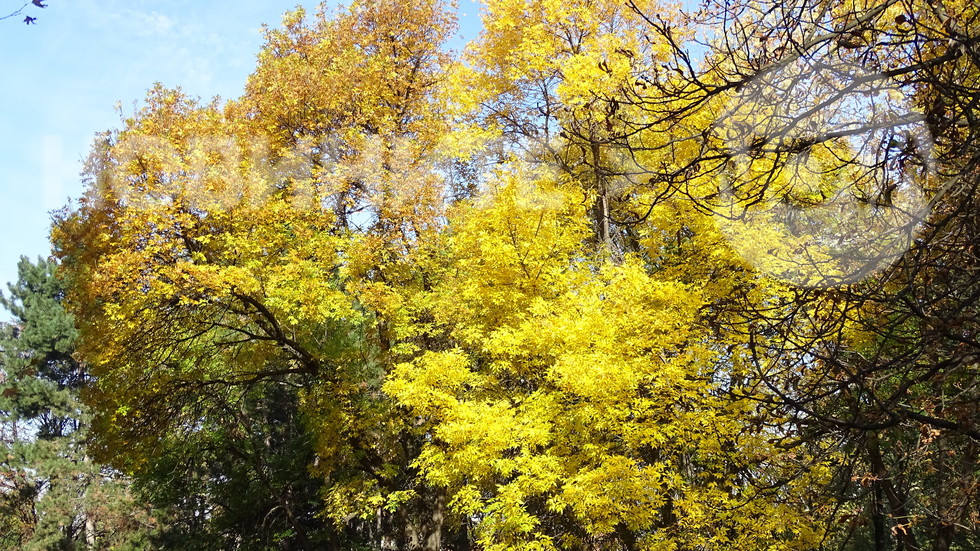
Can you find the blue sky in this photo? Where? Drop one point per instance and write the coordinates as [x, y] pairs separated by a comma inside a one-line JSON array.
[[63, 77]]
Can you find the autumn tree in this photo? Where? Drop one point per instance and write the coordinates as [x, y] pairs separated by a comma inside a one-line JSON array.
[[842, 154], [811, 138], [600, 441], [715, 290], [229, 249]]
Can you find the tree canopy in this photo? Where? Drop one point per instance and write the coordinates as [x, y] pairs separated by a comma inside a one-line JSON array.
[[618, 276]]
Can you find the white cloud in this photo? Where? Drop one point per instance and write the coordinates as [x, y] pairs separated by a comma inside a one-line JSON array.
[[153, 23]]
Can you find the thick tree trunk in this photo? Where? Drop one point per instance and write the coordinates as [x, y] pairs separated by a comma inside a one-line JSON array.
[[421, 521], [432, 529]]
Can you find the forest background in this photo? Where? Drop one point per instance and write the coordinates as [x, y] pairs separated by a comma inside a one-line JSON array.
[[615, 276]]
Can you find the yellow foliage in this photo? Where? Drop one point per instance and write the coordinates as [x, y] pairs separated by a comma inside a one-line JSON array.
[[563, 389]]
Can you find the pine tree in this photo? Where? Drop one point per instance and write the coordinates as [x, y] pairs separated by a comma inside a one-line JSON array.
[[53, 496]]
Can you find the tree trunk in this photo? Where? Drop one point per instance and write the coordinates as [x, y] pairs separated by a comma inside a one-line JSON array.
[[432, 529], [878, 517], [89, 532], [601, 208], [897, 500]]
